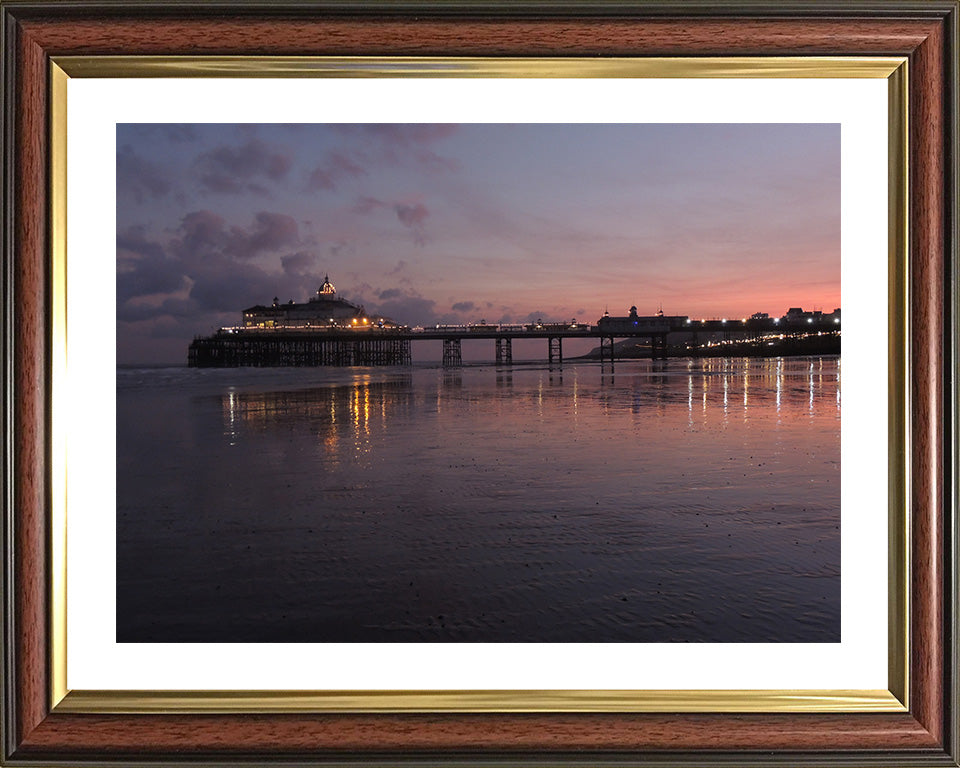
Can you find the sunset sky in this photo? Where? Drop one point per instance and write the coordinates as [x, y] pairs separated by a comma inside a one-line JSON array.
[[457, 223]]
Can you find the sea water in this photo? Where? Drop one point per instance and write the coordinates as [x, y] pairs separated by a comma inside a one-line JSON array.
[[678, 500]]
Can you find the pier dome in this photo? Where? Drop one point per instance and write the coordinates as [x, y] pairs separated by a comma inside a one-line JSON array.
[[326, 290]]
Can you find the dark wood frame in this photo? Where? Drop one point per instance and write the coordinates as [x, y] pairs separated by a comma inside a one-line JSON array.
[[926, 32]]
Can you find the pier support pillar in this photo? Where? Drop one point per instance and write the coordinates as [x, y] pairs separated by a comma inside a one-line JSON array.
[[228, 351], [504, 351], [555, 350], [451, 353], [606, 347], [658, 347]]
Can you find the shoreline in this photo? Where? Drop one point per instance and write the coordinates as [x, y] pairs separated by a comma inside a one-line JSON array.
[[805, 347]]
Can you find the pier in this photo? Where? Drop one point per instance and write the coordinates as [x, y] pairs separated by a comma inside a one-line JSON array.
[[329, 330], [374, 346]]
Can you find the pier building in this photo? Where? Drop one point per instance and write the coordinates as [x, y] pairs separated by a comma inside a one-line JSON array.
[[326, 309], [324, 330], [654, 327]]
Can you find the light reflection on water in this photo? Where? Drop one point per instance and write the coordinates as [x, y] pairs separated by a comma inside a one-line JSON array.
[[663, 501]]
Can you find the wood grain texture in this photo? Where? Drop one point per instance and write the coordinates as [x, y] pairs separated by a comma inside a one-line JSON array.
[[299, 734], [424, 37], [927, 353], [30, 414], [921, 733]]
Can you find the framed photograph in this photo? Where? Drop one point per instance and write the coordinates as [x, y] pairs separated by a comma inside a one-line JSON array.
[[461, 383]]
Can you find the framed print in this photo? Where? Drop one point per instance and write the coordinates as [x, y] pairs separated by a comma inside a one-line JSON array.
[[420, 179]]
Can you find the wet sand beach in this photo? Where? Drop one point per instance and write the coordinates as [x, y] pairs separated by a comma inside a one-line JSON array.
[[678, 500]]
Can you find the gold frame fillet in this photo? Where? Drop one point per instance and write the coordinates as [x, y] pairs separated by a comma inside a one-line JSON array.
[[895, 699]]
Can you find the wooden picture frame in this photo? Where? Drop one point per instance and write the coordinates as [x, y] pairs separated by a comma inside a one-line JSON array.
[[36, 731]]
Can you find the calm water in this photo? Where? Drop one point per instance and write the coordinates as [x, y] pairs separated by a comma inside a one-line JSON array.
[[667, 501]]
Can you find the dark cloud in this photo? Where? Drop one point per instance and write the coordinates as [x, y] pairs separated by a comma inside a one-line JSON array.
[[408, 307], [207, 265], [413, 218], [298, 263], [389, 293], [336, 168], [365, 205], [271, 231], [133, 242], [411, 215], [240, 286], [144, 269], [216, 258], [139, 178], [133, 312], [233, 169], [463, 306], [202, 233]]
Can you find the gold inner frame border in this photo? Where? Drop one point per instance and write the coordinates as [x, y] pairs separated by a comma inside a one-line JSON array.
[[894, 699]]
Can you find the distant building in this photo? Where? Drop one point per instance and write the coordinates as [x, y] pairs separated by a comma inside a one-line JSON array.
[[324, 310], [633, 322], [797, 315]]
